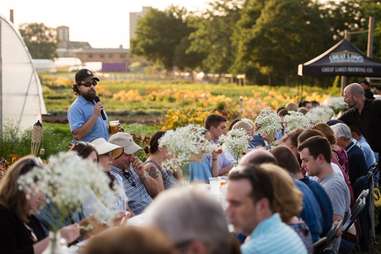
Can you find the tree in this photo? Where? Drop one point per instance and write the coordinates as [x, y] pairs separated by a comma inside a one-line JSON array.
[[285, 34], [40, 40], [160, 37], [212, 37]]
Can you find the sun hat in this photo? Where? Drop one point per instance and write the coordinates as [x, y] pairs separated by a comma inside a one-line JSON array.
[[103, 147], [126, 141]]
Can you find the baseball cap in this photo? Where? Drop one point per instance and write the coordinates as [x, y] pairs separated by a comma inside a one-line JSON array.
[[126, 141], [83, 76], [103, 147]]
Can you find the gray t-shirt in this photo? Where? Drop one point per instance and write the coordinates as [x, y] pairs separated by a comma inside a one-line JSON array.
[[338, 192], [339, 195]]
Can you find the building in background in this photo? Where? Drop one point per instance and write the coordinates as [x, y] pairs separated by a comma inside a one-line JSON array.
[[134, 18], [111, 59]]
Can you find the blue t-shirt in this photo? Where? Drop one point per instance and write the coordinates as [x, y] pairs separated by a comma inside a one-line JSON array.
[[200, 171], [370, 158], [273, 236], [311, 213], [324, 202], [80, 112]]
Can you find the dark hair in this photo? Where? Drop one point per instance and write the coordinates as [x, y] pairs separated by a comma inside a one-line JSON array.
[[83, 149], [282, 112], [75, 89], [365, 82], [309, 133], [355, 128], [280, 108], [286, 159], [213, 121], [293, 136], [154, 142], [317, 145], [233, 122], [260, 181]]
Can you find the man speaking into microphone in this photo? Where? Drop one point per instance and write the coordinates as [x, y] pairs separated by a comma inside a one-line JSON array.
[[86, 116]]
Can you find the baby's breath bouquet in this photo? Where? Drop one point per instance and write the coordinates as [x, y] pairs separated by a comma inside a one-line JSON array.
[[337, 104], [268, 123], [236, 142], [67, 181], [184, 145], [321, 114], [295, 120]]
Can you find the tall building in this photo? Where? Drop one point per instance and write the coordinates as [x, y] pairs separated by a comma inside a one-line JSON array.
[[134, 18]]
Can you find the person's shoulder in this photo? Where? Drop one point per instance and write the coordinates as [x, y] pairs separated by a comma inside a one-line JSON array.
[[375, 103]]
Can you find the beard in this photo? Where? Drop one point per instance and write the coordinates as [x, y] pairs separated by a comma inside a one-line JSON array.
[[90, 95]]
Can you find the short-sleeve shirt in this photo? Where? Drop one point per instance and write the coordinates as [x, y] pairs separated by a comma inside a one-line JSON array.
[[137, 195], [338, 192], [273, 236], [200, 171], [80, 112]]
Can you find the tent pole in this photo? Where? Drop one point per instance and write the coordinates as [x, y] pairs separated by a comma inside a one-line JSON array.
[[1, 87], [343, 83]]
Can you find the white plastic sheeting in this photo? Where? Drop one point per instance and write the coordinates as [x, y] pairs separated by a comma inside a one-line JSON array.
[[21, 100]]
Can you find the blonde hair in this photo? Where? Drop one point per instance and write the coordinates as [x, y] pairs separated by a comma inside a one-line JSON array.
[[11, 196], [287, 198], [129, 239]]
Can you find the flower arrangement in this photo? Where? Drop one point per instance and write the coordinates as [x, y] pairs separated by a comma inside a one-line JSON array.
[[320, 114], [185, 144], [295, 120], [268, 123], [337, 104], [236, 142], [67, 181]]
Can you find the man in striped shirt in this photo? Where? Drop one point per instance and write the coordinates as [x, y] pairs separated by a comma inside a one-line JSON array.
[[250, 195]]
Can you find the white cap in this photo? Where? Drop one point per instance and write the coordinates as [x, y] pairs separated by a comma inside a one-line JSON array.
[[103, 147], [126, 141]]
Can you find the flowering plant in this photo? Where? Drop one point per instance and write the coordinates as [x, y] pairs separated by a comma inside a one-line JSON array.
[[336, 103], [67, 181], [296, 120], [268, 123], [321, 114], [236, 142], [185, 144]]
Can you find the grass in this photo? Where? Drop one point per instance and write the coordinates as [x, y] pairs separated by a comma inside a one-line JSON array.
[[57, 138]]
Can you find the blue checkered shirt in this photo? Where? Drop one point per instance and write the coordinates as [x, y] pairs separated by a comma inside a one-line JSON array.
[[138, 197]]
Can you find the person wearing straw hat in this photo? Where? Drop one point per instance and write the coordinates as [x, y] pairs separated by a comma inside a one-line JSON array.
[[107, 152], [137, 182]]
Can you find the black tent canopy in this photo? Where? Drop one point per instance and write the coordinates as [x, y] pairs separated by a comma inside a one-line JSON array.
[[342, 59]]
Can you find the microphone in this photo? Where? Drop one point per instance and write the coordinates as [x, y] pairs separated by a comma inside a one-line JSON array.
[[96, 99]]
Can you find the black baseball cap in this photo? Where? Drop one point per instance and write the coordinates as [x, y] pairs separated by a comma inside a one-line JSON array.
[[84, 76]]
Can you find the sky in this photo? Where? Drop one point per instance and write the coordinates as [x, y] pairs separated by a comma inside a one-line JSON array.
[[104, 24]]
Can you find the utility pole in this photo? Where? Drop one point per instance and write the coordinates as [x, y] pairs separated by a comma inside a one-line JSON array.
[[344, 78], [369, 51]]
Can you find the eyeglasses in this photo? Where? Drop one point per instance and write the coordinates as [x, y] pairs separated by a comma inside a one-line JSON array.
[[127, 174]]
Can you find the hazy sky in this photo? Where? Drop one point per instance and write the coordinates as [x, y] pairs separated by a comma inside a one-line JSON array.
[[102, 23]]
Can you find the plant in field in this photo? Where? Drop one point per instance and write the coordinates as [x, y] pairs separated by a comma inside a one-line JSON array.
[[337, 104]]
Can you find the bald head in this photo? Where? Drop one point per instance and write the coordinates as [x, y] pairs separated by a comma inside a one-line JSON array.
[[258, 156], [354, 95], [355, 89]]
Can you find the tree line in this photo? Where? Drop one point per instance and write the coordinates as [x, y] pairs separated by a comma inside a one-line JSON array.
[[264, 39]]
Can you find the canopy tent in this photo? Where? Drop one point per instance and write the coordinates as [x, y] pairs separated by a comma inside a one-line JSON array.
[[342, 59], [21, 101]]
